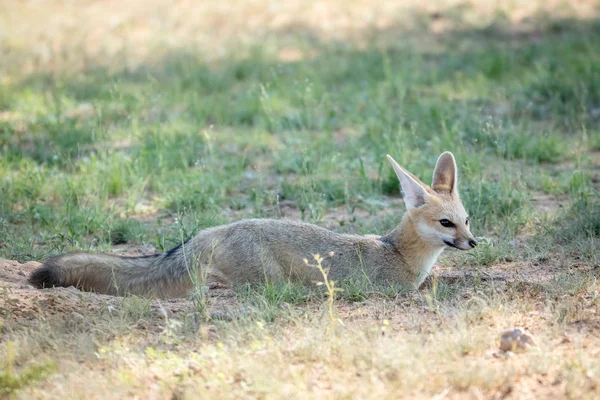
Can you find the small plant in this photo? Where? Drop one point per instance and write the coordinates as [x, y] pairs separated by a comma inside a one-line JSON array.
[[488, 252], [199, 277], [269, 300], [439, 292], [171, 334], [135, 308], [329, 286], [356, 290], [276, 294]]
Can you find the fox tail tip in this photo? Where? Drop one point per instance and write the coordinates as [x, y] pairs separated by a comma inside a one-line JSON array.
[[45, 277]]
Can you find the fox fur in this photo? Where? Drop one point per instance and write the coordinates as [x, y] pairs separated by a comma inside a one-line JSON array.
[[255, 250]]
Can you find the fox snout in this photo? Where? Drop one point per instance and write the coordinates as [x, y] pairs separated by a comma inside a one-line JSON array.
[[462, 245]]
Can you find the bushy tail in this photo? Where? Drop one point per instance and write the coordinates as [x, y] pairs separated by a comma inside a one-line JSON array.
[[160, 275]]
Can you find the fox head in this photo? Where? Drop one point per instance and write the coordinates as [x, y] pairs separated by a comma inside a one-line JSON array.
[[437, 213]]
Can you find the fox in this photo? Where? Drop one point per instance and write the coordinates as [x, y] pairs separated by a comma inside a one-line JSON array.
[[259, 250]]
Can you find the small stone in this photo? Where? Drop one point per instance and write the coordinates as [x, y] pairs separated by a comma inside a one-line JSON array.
[[516, 339], [21, 273]]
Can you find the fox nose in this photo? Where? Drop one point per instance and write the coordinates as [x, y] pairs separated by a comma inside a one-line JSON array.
[[472, 242]]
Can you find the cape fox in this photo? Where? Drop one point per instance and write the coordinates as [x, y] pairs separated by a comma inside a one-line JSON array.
[[263, 249]]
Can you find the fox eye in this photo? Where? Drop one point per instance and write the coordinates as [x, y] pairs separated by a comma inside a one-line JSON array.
[[467, 221], [446, 223]]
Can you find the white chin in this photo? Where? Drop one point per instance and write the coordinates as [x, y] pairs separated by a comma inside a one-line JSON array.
[[463, 246], [457, 245]]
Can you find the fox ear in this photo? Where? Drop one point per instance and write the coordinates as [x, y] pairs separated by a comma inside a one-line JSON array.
[[415, 194], [445, 178]]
